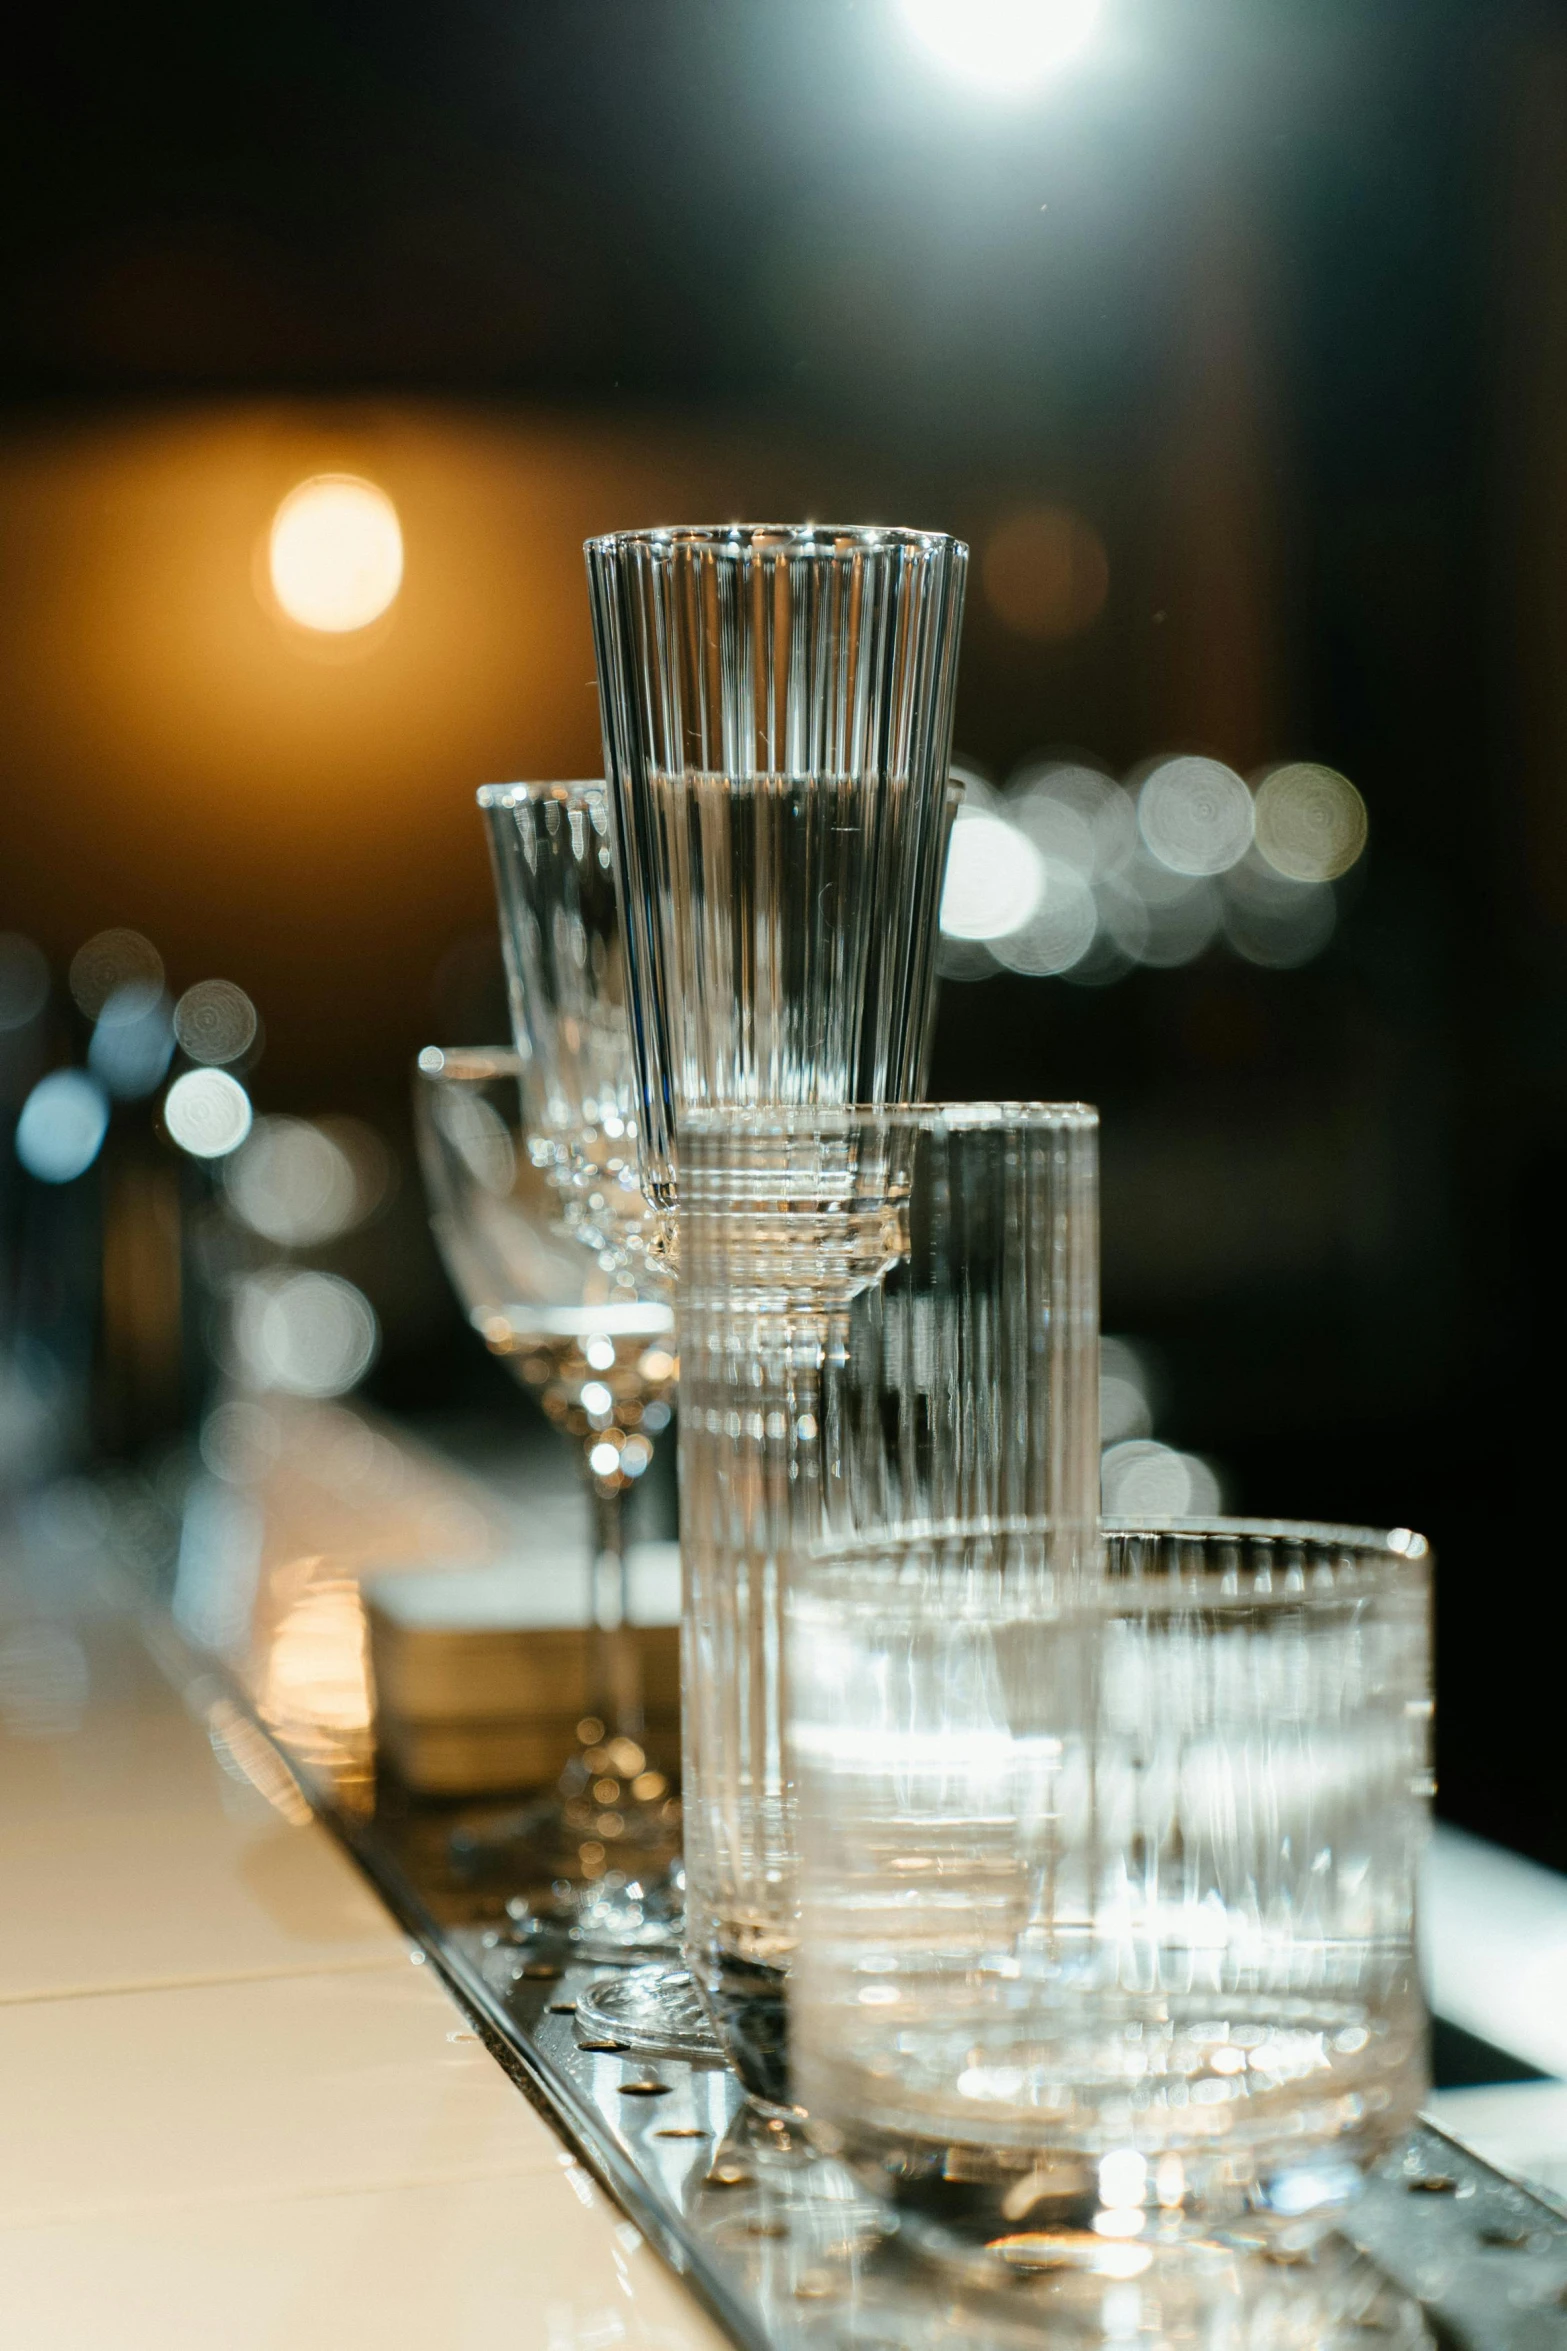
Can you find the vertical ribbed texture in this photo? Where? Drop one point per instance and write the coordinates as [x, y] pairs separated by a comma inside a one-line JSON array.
[[1121, 1862], [883, 1319], [777, 712], [566, 980]]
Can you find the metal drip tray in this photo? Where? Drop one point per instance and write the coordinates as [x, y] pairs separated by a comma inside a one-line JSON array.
[[784, 2247]]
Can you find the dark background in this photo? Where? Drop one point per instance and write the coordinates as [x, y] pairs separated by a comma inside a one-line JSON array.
[[1274, 297]]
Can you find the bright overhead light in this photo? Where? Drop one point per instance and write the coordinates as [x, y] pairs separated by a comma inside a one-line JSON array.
[[1005, 45], [336, 553]]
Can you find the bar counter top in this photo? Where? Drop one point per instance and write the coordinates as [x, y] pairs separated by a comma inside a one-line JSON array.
[[241, 2109]]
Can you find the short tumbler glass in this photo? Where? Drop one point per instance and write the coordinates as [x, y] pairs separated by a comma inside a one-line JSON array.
[[1107, 1891], [883, 1315]]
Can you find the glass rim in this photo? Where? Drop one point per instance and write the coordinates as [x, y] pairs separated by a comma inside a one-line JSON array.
[[736, 539], [788, 1119], [1400, 1544], [568, 788], [1393, 1542], [468, 1062]]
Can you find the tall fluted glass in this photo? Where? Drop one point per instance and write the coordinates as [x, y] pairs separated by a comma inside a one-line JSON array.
[[777, 711], [880, 1313]]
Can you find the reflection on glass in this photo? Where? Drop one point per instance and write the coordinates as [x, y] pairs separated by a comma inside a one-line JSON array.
[[1107, 1894], [901, 1303], [777, 710]]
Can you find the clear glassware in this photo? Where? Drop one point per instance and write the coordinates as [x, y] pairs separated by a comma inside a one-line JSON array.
[[852, 1283], [596, 1345], [565, 971], [562, 940], [777, 708], [1107, 1886]]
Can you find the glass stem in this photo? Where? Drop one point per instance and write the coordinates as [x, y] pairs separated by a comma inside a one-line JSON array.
[[617, 1658]]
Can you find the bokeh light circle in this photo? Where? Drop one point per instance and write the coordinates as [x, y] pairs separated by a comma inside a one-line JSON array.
[[207, 1113], [62, 1126], [1195, 815], [133, 1042], [308, 1334], [1004, 45], [1059, 931], [295, 1181], [115, 963], [215, 1022], [1311, 822], [1141, 1478], [995, 877], [336, 553]]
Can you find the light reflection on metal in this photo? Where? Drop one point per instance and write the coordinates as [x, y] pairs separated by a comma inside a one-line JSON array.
[[336, 553]]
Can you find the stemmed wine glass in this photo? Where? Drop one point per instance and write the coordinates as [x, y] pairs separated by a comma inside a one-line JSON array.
[[551, 849], [596, 1344]]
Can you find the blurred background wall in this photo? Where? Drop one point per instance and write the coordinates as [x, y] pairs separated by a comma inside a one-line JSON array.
[[1235, 343]]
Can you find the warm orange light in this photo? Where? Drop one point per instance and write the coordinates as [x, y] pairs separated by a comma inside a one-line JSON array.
[[336, 553]]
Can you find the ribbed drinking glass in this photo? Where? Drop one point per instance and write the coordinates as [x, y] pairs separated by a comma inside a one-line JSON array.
[[565, 974], [1107, 1885], [777, 711], [882, 1314]]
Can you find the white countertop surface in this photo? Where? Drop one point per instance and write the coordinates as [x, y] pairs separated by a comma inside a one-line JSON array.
[[239, 2113]]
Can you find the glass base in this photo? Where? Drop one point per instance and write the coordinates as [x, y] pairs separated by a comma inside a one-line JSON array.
[[746, 2000], [991, 2211], [654, 2009]]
